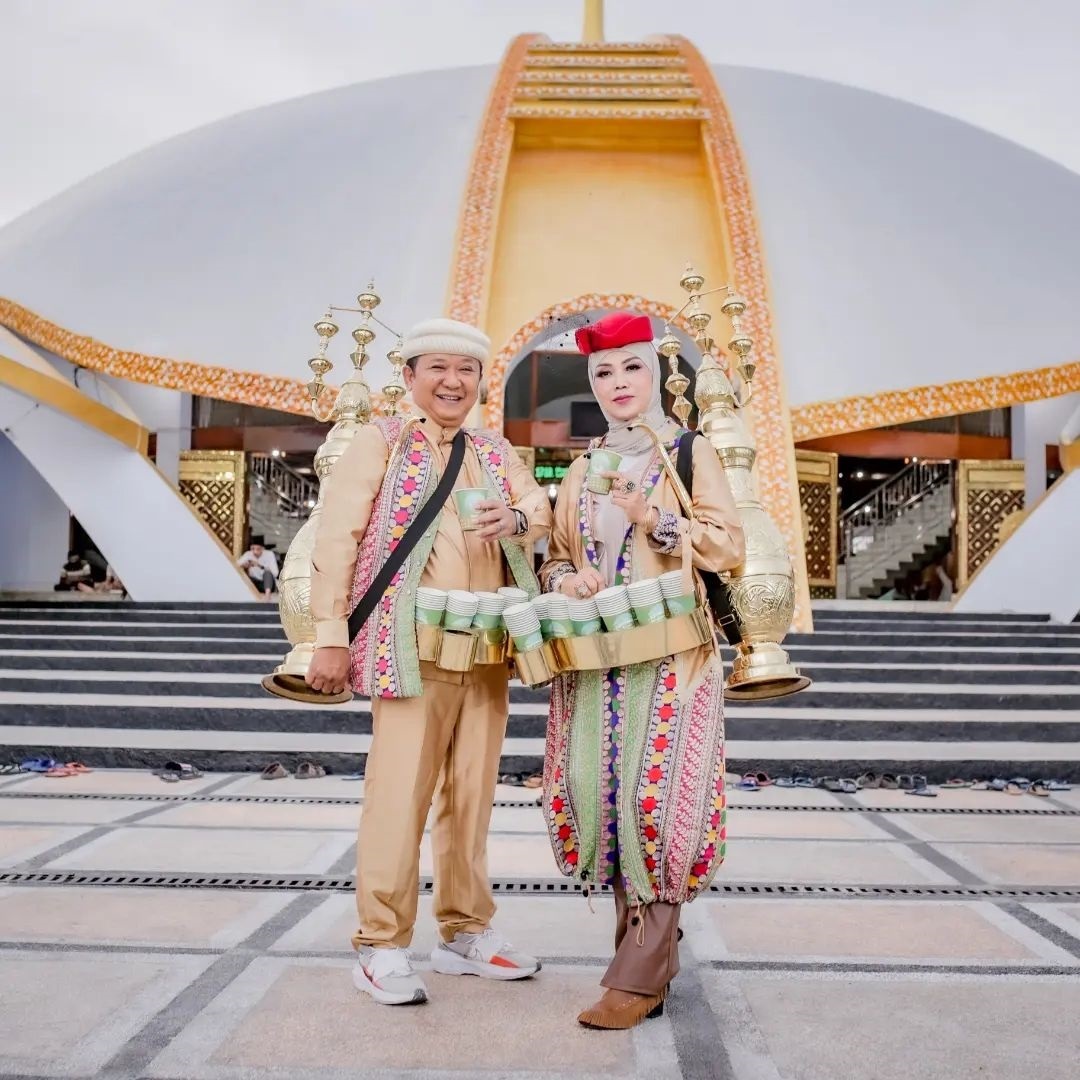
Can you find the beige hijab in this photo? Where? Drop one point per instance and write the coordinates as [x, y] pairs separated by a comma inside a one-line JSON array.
[[609, 523]]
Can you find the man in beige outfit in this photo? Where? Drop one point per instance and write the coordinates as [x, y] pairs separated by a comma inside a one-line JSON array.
[[445, 741]]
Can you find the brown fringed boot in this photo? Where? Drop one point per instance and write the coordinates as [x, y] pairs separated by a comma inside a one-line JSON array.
[[619, 1010]]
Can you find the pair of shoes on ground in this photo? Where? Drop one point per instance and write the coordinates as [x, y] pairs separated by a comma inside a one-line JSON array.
[[388, 974], [47, 767], [306, 770], [173, 771]]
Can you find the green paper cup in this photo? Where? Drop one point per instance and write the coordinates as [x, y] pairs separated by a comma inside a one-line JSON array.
[[526, 642], [677, 599], [644, 614], [623, 620], [430, 605], [467, 500], [454, 621], [485, 620], [680, 605], [601, 461]]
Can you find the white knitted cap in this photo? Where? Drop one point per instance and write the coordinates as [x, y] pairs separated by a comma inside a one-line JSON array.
[[446, 336]]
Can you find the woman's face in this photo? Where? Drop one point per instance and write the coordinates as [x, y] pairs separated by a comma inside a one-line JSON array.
[[623, 387]]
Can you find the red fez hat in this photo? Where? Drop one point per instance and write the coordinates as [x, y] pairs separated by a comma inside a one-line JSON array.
[[613, 331]]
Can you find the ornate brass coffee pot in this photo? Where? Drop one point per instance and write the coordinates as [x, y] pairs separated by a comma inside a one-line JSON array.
[[350, 412], [762, 588]]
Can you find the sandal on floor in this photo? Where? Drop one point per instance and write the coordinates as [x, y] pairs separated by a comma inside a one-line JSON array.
[[804, 782], [1056, 785], [831, 783], [309, 770], [6, 770], [1013, 788], [749, 783], [275, 771], [78, 767], [533, 782], [178, 770], [38, 764], [889, 782], [1039, 788], [784, 781], [994, 784], [869, 780], [61, 771], [905, 781], [763, 779], [955, 782]]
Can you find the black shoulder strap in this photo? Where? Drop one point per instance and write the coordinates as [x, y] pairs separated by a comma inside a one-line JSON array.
[[715, 587], [362, 612]]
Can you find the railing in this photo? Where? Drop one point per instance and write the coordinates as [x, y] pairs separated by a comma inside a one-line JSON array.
[[872, 532], [294, 493]]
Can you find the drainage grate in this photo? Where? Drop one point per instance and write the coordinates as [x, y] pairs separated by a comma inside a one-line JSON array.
[[536, 886], [341, 800]]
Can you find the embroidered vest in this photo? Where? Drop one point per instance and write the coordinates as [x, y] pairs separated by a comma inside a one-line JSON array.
[[385, 658]]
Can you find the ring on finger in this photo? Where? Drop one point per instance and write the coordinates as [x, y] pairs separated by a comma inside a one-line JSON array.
[[629, 486]]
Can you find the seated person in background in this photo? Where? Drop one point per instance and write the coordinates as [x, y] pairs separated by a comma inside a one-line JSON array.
[[74, 575], [261, 565]]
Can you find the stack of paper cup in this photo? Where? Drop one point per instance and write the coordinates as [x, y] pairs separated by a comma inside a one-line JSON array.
[[489, 609], [558, 612], [539, 604], [460, 609], [430, 605], [514, 595], [614, 606], [585, 617], [524, 625], [678, 600], [647, 601]]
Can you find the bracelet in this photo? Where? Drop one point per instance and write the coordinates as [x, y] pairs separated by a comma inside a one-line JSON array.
[[666, 532], [556, 576]]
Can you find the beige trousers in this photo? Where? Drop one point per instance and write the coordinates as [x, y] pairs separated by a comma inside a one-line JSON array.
[[444, 744], [646, 946]]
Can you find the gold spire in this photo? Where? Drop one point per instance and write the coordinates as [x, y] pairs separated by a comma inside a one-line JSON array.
[[593, 30]]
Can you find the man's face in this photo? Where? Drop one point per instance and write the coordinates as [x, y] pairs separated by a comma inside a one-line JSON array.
[[257, 550], [444, 387]]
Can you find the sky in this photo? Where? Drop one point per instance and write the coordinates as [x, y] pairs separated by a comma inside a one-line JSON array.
[[85, 83]]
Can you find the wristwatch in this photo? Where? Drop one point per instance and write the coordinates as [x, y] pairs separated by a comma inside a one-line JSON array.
[[522, 521]]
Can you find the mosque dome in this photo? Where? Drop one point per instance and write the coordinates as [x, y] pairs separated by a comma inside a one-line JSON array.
[[904, 248]]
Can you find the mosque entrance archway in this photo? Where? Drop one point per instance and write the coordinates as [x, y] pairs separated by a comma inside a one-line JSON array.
[[539, 393]]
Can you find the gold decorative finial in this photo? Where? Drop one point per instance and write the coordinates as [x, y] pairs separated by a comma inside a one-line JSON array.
[[593, 30], [394, 390]]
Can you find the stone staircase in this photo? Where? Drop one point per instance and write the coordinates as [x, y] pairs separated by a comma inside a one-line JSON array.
[[133, 685]]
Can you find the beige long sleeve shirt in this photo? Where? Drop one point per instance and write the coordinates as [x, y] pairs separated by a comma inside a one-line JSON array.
[[458, 559]]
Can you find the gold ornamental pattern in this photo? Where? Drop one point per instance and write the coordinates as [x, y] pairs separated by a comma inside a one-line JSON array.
[[818, 498], [215, 484], [989, 495]]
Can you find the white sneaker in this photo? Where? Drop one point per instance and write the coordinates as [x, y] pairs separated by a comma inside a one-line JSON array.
[[487, 954], [388, 976]]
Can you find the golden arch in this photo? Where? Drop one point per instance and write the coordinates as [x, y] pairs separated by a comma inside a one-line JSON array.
[[520, 340]]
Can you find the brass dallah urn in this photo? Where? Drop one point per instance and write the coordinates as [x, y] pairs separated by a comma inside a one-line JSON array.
[[350, 412], [762, 588]]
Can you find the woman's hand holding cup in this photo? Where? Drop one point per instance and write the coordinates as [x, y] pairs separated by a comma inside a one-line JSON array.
[[629, 497], [583, 584]]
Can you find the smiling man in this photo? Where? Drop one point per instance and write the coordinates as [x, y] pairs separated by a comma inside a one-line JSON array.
[[431, 728]]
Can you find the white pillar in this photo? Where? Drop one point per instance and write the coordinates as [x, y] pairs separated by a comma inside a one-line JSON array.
[[1035, 426], [34, 525]]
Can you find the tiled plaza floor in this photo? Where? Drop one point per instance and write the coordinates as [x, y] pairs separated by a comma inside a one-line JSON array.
[[172, 982]]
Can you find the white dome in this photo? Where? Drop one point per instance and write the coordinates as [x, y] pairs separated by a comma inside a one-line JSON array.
[[904, 248]]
